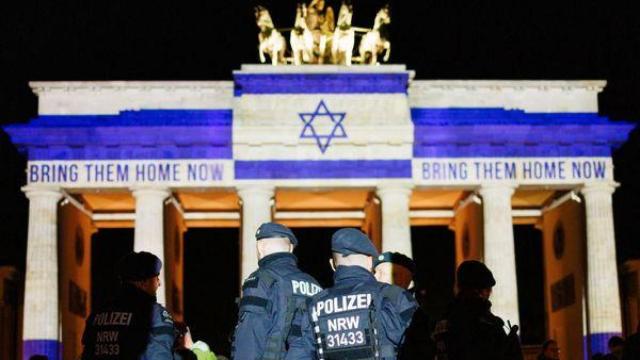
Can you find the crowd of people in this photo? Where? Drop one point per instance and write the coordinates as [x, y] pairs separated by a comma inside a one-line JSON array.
[[369, 313]]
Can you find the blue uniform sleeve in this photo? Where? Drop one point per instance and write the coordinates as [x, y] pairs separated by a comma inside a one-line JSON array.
[[161, 337], [302, 339], [396, 315], [255, 319]]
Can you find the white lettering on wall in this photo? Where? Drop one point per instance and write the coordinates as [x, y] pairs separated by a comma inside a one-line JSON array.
[[518, 170], [119, 173]]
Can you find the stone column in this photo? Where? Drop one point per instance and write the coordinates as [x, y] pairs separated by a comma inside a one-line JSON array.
[[256, 209], [41, 331], [149, 227], [603, 300], [396, 222], [499, 249]]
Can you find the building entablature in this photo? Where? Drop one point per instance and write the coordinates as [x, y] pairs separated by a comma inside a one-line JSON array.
[[315, 125]]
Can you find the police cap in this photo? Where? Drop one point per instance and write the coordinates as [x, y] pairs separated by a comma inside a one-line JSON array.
[[137, 266], [273, 230], [473, 274], [352, 241], [396, 258]]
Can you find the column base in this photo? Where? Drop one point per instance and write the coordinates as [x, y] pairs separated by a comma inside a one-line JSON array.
[[52, 349]]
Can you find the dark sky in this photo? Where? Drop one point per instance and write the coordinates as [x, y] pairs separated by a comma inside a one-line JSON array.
[[206, 40]]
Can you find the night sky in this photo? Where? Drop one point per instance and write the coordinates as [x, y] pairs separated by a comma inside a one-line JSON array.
[[206, 40]]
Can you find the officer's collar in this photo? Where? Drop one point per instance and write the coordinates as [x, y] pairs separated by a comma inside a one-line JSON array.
[[131, 290], [347, 272], [473, 304], [285, 257]]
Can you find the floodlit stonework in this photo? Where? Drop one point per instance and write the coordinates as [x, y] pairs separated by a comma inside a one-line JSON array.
[[363, 146]]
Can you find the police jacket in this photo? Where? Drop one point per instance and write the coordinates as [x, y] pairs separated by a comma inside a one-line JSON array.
[[271, 297], [358, 318], [470, 331], [418, 343], [132, 326]]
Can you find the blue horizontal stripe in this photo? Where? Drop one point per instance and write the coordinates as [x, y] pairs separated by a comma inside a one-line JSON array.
[[496, 116], [510, 150], [52, 349], [491, 132], [144, 134], [345, 83], [130, 153], [323, 169], [207, 134]]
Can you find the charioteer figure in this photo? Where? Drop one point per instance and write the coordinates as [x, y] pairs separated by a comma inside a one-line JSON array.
[[320, 20]]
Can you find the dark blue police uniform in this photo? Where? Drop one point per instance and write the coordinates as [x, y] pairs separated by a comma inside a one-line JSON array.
[[469, 330], [357, 318], [271, 297], [132, 325]]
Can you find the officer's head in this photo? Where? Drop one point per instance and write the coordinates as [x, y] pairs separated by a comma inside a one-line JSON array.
[[274, 238], [475, 278], [616, 346], [141, 269], [351, 247], [394, 268]]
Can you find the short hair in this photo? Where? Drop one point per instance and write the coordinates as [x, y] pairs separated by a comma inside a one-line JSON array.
[[38, 357], [279, 240], [350, 259], [616, 341], [276, 243]]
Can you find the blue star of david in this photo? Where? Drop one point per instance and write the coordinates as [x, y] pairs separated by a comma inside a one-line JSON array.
[[322, 112]]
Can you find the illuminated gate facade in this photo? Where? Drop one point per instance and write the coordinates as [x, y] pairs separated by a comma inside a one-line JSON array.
[[365, 146]]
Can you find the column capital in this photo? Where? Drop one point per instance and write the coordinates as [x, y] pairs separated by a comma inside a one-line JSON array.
[[492, 188], [157, 191], [394, 188], [31, 192], [255, 190], [599, 187]]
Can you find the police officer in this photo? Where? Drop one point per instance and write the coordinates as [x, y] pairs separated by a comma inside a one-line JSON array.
[[398, 269], [395, 268], [359, 317], [132, 325], [271, 297], [469, 329]]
